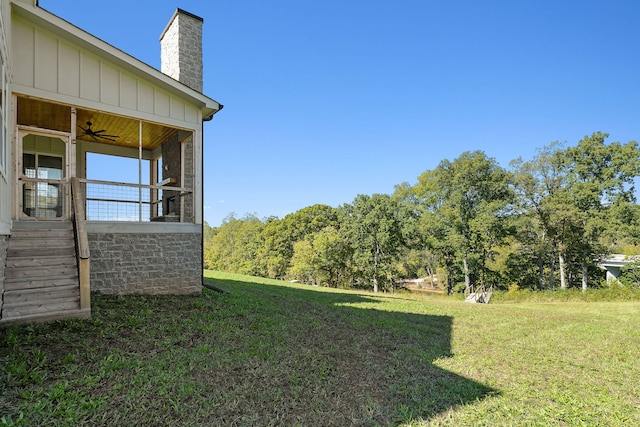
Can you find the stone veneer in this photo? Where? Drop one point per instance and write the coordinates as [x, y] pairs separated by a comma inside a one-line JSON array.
[[150, 263], [4, 243], [171, 168], [187, 200], [181, 49]]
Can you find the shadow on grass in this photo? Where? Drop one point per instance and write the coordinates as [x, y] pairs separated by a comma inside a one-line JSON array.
[[383, 357], [261, 355]]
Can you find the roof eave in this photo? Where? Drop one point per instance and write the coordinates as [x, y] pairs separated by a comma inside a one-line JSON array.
[[57, 25]]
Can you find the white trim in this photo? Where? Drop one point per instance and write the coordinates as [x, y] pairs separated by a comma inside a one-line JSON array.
[[103, 107], [32, 130], [22, 132], [5, 109]]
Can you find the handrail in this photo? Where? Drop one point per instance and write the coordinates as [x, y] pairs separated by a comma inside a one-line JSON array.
[[127, 184], [82, 243], [78, 216], [46, 181]]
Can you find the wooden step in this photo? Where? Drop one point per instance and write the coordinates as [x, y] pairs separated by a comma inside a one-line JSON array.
[[41, 275], [41, 225], [40, 243], [41, 283], [26, 295], [46, 317], [29, 233], [42, 261], [40, 272], [38, 252], [25, 308]]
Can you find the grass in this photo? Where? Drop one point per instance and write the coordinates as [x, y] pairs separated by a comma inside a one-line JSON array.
[[274, 353]]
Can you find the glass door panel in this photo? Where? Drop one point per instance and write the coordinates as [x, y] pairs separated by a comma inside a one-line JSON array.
[[42, 198]]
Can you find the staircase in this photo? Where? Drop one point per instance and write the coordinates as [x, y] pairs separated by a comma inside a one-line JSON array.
[[41, 275], [481, 295]]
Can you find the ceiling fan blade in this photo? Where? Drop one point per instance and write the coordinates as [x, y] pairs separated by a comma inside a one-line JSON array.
[[99, 131]]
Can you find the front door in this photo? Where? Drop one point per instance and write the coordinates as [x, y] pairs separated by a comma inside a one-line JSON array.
[[42, 184]]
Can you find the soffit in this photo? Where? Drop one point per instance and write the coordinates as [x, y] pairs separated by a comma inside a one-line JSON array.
[[124, 130]]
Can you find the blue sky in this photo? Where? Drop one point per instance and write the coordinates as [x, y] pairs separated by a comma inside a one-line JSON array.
[[329, 99]]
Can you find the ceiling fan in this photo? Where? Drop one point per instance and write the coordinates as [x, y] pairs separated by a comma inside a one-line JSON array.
[[95, 134]]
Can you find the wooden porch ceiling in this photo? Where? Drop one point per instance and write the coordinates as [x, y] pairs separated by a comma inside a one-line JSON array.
[[47, 115]]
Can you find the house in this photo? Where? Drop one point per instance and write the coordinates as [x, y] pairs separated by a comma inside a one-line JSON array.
[[614, 263], [70, 102]]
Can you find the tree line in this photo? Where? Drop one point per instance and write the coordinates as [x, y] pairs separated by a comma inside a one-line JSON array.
[[539, 224]]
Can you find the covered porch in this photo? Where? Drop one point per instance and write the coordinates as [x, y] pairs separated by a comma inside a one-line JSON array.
[[102, 203], [131, 170]]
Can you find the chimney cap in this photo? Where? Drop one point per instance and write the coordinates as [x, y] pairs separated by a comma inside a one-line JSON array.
[[176, 13]]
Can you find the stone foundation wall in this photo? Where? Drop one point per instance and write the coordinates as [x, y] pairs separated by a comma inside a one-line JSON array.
[[146, 263], [4, 243]]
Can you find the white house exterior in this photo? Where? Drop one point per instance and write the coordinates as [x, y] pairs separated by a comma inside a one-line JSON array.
[[614, 263], [67, 96]]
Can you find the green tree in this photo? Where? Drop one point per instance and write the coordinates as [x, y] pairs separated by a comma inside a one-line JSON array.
[[303, 262], [333, 257], [630, 276], [235, 246], [373, 226], [207, 235], [468, 203], [622, 234], [279, 236], [545, 215], [600, 176], [322, 258]]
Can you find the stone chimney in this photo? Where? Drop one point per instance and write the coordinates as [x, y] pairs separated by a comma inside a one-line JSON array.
[[181, 49]]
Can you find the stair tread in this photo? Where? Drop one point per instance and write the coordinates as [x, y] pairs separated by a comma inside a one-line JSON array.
[[46, 317], [14, 285], [45, 260], [8, 305], [40, 272], [22, 310], [25, 252], [33, 306], [11, 292], [41, 276], [43, 243], [46, 297]]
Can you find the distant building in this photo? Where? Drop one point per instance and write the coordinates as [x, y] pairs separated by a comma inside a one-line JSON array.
[[614, 263]]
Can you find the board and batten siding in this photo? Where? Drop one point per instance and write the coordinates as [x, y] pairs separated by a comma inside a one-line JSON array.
[[51, 67]]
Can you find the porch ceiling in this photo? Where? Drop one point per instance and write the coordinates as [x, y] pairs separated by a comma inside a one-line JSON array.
[[47, 115]]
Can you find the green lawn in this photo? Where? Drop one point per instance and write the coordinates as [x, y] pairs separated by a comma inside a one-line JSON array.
[[274, 353]]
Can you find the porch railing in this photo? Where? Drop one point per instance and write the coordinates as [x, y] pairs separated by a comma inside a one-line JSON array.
[[120, 201]]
